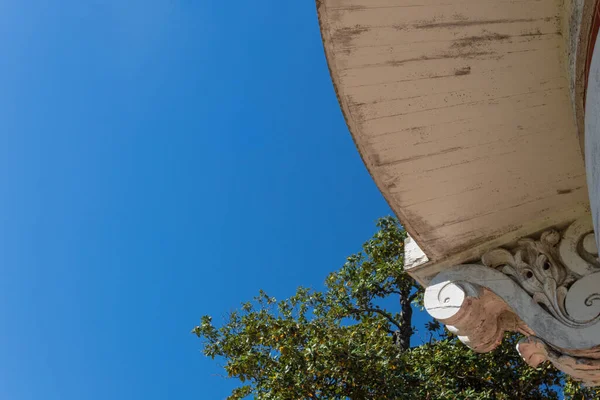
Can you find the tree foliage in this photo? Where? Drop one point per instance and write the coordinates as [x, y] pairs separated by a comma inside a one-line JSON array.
[[342, 343]]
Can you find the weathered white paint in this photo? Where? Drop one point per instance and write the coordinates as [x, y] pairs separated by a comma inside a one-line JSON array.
[[462, 113], [592, 139], [574, 236], [480, 317], [470, 310], [506, 291], [413, 255]]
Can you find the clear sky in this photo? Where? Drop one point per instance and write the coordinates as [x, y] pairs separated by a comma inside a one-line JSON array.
[[161, 160]]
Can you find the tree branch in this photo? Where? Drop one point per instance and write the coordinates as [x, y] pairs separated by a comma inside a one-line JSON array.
[[377, 311], [413, 296]]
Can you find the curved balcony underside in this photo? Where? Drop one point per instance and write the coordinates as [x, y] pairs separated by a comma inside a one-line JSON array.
[[461, 111]]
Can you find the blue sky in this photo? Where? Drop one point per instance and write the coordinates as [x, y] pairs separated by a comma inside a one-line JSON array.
[[161, 160]]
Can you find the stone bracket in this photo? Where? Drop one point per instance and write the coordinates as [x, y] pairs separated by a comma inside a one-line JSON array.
[[546, 288]]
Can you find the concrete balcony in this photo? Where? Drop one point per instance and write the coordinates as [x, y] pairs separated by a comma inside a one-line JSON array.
[[470, 116]]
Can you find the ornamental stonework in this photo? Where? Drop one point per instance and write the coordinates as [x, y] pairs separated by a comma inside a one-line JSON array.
[[547, 288]]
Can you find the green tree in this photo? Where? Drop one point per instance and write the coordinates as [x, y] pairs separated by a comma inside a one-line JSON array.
[[342, 343]]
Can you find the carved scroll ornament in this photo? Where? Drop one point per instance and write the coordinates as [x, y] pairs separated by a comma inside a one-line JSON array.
[[548, 289]]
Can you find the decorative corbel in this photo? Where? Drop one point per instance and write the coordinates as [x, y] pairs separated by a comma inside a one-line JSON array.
[[547, 288]]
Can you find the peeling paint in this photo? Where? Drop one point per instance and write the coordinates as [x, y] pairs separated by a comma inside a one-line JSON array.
[[473, 41], [463, 23], [345, 36], [460, 113], [463, 71]]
